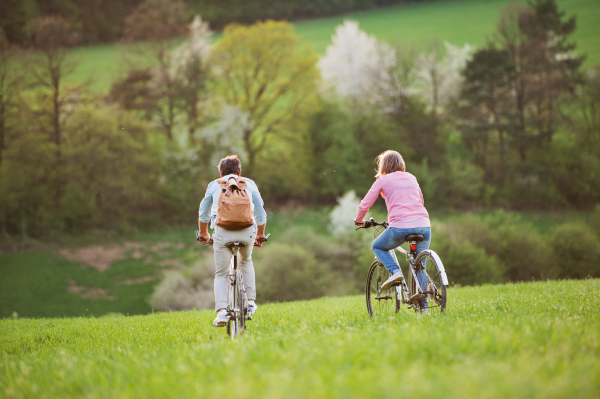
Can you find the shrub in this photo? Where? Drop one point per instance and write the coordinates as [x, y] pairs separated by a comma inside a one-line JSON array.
[[578, 249], [188, 289], [291, 272], [467, 264], [524, 253]]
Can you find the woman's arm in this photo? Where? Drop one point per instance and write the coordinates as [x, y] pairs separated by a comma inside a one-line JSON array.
[[368, 201]]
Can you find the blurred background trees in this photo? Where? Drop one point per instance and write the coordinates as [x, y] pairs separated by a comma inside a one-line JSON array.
[[513, 124]]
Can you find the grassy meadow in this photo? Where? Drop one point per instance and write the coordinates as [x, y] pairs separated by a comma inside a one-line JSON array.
[[102, 272], [526, 340], [95, 274], [455, 21]]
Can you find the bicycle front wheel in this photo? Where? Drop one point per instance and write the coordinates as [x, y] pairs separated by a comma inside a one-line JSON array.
[[380, 302], [434, 286]]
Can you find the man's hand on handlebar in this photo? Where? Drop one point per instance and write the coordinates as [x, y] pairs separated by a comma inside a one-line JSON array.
[[359, 223], [261, 239], [258, 242], [204, 237]]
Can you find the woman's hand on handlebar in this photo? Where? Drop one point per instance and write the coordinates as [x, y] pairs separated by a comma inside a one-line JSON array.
[[359, 223]]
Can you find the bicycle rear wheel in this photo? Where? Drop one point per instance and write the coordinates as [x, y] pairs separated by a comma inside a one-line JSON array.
[[380, 302], [437, 296], [241, 305], [233, 323]]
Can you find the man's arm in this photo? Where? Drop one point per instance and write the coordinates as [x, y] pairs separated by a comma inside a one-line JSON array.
[[260, 215], [204, 214]]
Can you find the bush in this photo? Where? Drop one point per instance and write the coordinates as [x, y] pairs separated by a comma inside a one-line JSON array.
[[525, 254], [188, 289], [467, 264], [291, 272], [578, 249]]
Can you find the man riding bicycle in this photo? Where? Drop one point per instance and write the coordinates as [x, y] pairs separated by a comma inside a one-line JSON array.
[[231, 183]]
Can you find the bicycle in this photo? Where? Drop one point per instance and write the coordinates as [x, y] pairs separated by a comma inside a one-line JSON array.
[[237, 303], [383, 302]]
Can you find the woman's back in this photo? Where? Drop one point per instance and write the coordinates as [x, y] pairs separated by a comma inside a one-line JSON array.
[[403, 198]]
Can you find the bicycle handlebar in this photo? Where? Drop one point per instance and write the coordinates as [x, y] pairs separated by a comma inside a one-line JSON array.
[[198, 238], [265, 239], [371, 222]]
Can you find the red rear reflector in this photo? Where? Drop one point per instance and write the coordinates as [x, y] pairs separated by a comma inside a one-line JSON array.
[[413, 247]]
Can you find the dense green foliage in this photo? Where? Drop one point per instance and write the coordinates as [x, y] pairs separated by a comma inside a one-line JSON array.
[[301, 261], [104, 20], [220, 13], [536, 340], [140, 158]]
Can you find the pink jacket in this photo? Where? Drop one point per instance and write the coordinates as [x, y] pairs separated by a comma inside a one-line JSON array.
[[403, 198]]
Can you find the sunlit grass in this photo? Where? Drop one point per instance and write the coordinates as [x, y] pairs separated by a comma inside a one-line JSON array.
[[537, 340]]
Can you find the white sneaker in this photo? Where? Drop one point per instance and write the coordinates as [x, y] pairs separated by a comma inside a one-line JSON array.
[[396, 279], [221, 319], [252, 307]]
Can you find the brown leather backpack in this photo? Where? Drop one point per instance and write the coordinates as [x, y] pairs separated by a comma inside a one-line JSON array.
[[234, 210]]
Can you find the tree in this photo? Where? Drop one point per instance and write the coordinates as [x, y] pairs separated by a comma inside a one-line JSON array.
[[536, 39], [487, 97], [51, 36], [191, 72], [438, 80], [264, 70], [358, 66], [10, 79], [156, 23], [14, 16]]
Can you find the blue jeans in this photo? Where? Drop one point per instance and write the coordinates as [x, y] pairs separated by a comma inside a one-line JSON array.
[[393, 237]]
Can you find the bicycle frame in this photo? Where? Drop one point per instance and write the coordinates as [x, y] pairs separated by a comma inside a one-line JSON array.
[[402, 290], [235, 277]]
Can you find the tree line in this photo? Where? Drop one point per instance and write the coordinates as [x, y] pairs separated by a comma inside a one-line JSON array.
[[513, 124], [105, 20]]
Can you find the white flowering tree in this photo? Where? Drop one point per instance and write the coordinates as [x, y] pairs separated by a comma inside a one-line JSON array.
[[226, 135], [358, 66], [179, 82], [341, 218], [439, 79]]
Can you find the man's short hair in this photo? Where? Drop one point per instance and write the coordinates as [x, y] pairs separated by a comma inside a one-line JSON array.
[[230, 165]]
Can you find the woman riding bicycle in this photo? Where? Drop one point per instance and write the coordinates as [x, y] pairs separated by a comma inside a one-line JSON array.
[[406, 213]]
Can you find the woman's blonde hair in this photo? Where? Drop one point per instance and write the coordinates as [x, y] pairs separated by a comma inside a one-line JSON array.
[[389, 162]]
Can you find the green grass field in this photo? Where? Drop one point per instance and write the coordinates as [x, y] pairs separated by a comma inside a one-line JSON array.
[[528, 340], [98, 273], [455, 21], [111, 275]]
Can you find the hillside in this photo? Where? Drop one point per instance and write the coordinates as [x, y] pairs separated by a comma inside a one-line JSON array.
[[528, 340], [455, 21]]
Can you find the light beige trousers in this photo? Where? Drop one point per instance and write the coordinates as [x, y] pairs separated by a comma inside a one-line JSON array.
[[223, 257]]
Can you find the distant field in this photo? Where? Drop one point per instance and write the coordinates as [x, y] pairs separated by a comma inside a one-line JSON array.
[[528, 340], [455, 21]]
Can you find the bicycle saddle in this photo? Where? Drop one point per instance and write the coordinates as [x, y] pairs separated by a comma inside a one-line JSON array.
[[415, 237], [235, 244]]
